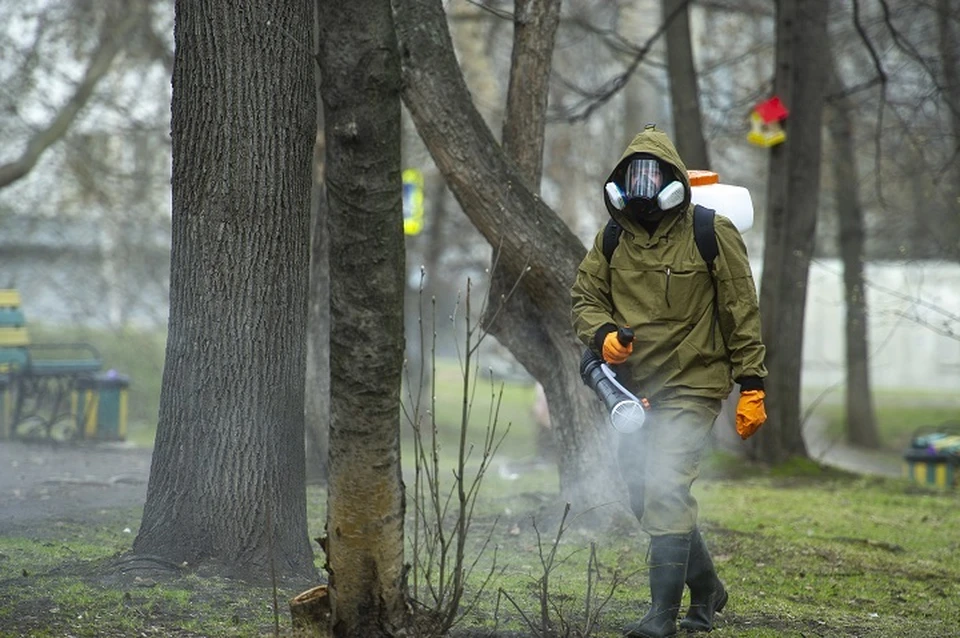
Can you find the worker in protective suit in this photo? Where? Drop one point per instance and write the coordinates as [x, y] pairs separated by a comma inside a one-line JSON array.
[[697, 331]]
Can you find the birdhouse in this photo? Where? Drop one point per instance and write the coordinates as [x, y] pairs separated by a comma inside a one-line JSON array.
[[765, 123]]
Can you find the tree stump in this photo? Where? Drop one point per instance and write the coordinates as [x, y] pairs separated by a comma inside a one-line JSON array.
[[310, 612]]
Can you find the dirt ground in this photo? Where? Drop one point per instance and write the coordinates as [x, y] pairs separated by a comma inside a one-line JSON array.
[[41, 483]]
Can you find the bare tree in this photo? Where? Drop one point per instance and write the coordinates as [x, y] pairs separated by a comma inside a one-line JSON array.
[[113, 37], [227, 479], [365, 504], [531, 239], [911, 56], [861, 418], [534, 31], [793, 192], [948, 34], [684, 92], [86, 156]]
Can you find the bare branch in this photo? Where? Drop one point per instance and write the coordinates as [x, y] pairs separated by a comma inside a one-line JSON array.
[[881, 103], [583, 109], [113, 37], [911, 51]]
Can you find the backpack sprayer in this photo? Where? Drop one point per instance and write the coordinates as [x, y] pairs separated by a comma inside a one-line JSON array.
[[627, 412]]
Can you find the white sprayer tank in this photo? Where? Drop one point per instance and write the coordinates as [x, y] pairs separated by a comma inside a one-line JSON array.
[[733, 202]]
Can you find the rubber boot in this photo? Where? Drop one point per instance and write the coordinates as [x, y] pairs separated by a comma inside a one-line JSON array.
[[668, 569], [707, 593]]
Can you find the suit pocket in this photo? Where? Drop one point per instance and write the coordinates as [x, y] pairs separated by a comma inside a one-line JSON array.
[[686, 292]]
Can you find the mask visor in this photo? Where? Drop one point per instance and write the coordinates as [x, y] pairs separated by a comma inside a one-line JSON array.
[[642, 179]]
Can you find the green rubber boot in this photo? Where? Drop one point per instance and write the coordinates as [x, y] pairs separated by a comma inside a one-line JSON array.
[[707, 593], [668, 569]]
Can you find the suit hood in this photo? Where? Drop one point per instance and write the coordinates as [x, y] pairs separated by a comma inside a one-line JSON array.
[[652, 141]]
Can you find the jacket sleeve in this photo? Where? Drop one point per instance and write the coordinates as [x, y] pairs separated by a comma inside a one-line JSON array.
[[592, 306], [738, 307]]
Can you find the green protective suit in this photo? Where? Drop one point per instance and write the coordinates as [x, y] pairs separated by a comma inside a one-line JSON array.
[[687, 350]]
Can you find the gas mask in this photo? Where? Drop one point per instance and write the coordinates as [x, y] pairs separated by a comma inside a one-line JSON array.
[[643, 195]]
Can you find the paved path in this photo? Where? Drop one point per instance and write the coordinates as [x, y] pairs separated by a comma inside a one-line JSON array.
[[43, 482], [822, 447], [837, 453]]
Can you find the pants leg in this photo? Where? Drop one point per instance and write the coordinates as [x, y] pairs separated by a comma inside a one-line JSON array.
[[632, 461], [660, 465]]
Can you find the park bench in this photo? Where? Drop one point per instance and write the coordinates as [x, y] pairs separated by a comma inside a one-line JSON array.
[[39, 380]]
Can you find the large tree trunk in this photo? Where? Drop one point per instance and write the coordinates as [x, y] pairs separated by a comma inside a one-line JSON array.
[[227, 479], [684, 94], [531, 239], [365, 512], [948, 34], [861, 419], [793, 192]]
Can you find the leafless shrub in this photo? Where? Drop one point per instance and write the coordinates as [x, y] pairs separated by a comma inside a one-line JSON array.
[[553, 619], [443, 513]]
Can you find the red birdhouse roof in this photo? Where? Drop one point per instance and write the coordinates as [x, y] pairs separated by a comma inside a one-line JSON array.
[[771, 110]]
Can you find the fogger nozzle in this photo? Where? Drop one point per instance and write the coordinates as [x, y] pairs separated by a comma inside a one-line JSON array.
[[626, 411]]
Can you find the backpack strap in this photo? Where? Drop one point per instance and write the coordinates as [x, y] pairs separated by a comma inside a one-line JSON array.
[[704, 235], [611, 237], [706, 239]]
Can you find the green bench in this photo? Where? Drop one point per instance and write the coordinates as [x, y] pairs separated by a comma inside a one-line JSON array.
[[39, 380]]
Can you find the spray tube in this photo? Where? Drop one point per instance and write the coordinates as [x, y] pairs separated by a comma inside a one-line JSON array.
[[627, 412]]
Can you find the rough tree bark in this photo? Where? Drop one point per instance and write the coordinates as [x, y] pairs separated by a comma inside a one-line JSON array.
[[227, 479], [793, 191], [531, 239], [535, 25], [684, 94], [861, 418], [365, 506]]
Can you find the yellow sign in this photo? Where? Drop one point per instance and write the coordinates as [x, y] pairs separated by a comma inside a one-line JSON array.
[[412, 201]]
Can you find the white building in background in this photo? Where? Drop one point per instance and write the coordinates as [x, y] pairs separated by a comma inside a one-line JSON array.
[[914, 326]]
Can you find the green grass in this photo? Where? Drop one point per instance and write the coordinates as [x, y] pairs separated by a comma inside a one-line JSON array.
[[899, 415], [857, 555], [510, 404], [828, 555], [58, 583], [803, 553]]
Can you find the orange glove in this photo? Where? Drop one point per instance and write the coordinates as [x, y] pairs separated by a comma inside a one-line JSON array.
[[615, 352], [750, 412]]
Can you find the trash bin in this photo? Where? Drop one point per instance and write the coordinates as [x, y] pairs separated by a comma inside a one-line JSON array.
[[933, 457], [102, 406]]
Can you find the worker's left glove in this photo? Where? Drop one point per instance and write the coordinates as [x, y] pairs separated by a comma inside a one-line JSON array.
[[750, 413]]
